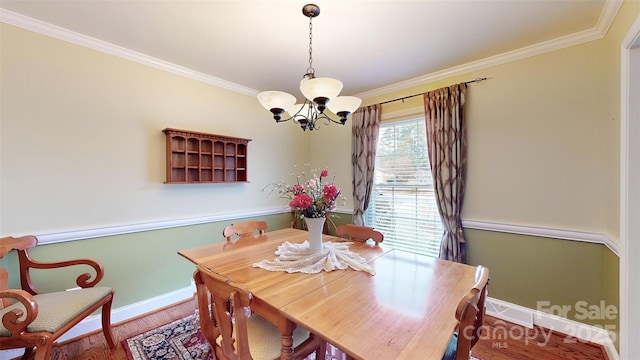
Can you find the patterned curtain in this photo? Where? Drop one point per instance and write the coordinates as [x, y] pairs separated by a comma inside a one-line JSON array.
[[365, 128], [447, 146]]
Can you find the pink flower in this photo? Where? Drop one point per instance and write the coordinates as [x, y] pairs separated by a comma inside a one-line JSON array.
[[330, 192], [309, 196], [297, 189], [301, 201]]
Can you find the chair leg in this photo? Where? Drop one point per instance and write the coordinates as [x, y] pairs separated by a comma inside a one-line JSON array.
[[27, 353], [106, 323], [321, 353], [44, 352]]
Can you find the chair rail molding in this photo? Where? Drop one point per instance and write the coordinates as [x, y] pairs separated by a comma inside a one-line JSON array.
[[90, 233], [575, 235]]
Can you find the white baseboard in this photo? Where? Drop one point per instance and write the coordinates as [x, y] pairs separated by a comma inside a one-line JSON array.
[[94, 322], [509, 312], [574, 330]]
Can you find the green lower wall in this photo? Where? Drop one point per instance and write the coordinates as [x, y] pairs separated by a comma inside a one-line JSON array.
[[525, 270], [138, 266], [550, 274]]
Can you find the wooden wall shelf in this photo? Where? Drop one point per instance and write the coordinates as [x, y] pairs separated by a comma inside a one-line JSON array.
[[195, 157]]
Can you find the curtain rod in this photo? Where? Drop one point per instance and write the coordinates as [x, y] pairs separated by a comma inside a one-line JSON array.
[[414, 95]]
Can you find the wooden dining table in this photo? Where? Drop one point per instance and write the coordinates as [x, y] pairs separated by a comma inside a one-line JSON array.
[[405, 311]]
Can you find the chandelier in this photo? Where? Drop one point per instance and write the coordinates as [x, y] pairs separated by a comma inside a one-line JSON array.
[[320, 94]]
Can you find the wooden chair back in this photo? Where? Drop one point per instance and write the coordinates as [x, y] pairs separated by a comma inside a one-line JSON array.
[[19, 322], [359, 233], [222, 306], [470, 314], [4, 280], [22, 246], [222, 303], [244, 229], [7, 244]]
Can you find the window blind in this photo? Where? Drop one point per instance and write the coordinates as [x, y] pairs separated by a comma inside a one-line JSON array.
[[402, 204]]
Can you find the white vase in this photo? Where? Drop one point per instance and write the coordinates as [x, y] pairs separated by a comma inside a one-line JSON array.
[[315, 226]]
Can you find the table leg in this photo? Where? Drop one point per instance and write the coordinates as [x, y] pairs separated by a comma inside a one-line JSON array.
[[286, 328], [284, 325]]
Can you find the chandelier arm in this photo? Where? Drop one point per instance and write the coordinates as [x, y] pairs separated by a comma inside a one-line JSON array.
[[304, 120], [326, 117]]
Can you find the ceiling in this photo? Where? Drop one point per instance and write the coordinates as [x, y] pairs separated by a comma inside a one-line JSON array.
[[368, 45]]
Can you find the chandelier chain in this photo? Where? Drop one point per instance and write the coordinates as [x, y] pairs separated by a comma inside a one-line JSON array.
[[310, 70]]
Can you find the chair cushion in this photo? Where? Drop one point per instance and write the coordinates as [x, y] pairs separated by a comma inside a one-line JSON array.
[[450, 354], [264, 338], [58, 308]]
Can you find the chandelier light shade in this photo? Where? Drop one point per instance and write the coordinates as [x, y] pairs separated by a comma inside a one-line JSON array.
[[320, 93], [320, 90], [276, 102], [344, 105]]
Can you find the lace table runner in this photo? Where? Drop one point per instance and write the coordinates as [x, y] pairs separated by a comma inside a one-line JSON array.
[[298, 258]]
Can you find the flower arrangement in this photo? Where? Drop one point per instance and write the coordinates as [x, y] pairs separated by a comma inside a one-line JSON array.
[[311, 195]]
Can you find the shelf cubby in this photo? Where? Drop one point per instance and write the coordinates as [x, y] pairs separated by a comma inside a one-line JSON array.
[[195, 157]]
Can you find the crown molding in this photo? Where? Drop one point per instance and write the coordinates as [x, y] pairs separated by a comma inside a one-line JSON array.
[[41, 27], [607, 16], [598, 32]]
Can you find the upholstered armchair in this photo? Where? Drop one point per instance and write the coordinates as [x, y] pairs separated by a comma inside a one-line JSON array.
[[33, 320]]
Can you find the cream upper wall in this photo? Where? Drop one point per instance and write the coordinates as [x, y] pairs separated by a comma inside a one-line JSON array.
[[82, 143], [538, 131], [543, 136], [330, 147]]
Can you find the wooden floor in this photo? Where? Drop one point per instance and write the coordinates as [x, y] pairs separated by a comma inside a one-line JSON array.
[[499, 341], [94, 346]]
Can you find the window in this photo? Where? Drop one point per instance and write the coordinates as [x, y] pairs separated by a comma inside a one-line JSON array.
[[402, 204]]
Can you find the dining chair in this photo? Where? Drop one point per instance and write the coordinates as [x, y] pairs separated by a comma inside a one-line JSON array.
[[34, 320], [470, 315], [243, 229], [235, 333], [359, 233]]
